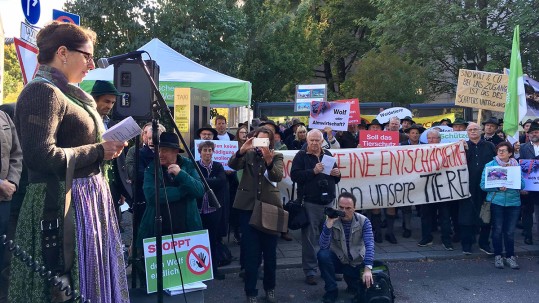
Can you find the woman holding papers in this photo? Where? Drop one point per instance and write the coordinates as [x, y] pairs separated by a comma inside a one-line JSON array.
[[505, 206], [59, 127]]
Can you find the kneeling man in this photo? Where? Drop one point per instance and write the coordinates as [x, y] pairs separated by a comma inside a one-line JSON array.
[[346, 246]]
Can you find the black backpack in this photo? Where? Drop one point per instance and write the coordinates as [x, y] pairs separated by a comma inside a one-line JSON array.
[[381, 291]]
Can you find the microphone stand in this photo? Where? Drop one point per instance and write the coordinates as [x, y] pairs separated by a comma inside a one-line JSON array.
[[159, 104]]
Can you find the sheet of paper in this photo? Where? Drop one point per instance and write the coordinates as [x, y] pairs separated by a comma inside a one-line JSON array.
[[188, 288], [328, 162], [122, 131], [506, 176], [267, 177]]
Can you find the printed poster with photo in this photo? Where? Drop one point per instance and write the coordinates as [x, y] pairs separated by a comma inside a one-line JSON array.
[[502, 176], [332, 114], [306, 93], [530, 173]]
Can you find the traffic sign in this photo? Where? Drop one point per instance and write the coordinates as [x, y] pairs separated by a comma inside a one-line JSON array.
[[198, 259], [31, 10], [29, 33], [65, 17], [27, 55]]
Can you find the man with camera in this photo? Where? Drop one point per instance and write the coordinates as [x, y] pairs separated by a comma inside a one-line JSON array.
[[346, 229], [317, 189]]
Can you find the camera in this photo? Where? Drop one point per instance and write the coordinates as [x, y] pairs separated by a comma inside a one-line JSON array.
[[323, 183], [333, 213]]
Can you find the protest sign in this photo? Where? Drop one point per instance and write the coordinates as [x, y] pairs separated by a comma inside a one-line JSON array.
[[481, 90], [446, 133], [332, 114], [354, 117], [307, 93], [222, 153], [376, 138], [399, 112], [530, 173], [502, 176], [396, 176], [426, 121], [448, 137], [193, 255]]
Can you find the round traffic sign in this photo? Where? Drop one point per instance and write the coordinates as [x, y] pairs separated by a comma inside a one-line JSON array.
[[31, 10], [198, 259]]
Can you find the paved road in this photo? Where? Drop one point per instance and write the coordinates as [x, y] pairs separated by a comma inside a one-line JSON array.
[[432, 281]]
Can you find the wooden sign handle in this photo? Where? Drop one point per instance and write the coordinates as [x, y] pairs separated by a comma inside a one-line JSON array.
[[479, 116]]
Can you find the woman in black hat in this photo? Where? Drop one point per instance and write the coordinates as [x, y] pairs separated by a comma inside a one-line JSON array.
[[180, 187]]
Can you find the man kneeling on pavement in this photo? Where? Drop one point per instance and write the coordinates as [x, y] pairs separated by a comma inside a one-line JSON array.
[[347, 247]]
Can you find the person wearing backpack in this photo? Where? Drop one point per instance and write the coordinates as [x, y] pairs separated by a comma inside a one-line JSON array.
[[347, 247]]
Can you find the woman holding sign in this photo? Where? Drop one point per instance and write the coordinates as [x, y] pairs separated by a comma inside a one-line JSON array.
[[504, 208]]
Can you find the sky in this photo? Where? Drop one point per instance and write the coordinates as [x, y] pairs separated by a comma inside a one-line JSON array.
[[12, 14]]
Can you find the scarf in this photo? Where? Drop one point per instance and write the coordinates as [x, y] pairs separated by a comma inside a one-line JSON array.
[[511, 162], [73, 93]]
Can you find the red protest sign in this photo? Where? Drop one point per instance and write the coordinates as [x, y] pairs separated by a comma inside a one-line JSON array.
[[354, 117], [378, 138]]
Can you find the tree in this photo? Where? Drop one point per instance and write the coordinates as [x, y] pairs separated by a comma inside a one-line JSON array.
[[282, 47], [384, 76], [344, 36], [13, 83], [118, 23], [209, 32], [445, 36]]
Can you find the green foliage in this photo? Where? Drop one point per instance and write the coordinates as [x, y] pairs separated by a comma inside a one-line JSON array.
[[445, 36], [384, 76], [118, 23], [344, 38], [209, 32], [283, 47], [13, 83]]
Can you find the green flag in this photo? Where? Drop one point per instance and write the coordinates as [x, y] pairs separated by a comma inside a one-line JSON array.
[[515, 106]]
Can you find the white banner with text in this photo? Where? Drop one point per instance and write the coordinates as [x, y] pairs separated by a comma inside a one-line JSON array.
[[396, 176]]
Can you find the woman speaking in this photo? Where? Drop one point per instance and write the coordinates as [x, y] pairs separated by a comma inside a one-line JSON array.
[[59, 128]]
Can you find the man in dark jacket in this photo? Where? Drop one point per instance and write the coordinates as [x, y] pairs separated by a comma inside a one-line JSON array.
[[490, 128], [10, 174], [318, 191], [529, 199], [478, 153]]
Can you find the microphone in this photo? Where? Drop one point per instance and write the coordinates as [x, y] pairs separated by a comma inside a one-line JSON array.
[[106, 62]]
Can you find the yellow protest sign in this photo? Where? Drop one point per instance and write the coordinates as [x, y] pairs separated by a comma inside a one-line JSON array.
[[481, 90]]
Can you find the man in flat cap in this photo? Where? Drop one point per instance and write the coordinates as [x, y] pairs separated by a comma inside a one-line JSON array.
[[489, 132], [459, 125], [105, 96]]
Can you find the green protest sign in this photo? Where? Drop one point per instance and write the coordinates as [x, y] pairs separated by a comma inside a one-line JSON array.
[[191, 250]]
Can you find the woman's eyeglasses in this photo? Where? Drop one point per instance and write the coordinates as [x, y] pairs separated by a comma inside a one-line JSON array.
[[89, 57]]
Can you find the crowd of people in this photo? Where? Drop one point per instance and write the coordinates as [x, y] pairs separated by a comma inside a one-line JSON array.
[[69, 219]]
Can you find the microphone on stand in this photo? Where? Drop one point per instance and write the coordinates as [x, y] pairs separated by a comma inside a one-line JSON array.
[[106, 62]]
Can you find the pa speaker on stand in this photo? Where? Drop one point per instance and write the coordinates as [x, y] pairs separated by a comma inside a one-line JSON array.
[[132, 82]]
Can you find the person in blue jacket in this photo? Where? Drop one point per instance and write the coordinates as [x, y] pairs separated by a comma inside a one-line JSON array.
[[504, 208]]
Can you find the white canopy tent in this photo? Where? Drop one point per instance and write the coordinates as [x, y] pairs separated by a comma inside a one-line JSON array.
[[177, 70]]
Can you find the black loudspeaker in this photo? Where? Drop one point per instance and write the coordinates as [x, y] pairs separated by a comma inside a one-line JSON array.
[[131, 80]]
